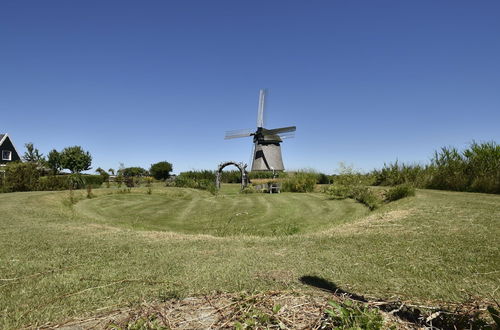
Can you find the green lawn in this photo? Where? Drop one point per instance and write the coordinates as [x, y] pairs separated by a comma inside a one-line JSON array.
[[59, 261], [193, 212]]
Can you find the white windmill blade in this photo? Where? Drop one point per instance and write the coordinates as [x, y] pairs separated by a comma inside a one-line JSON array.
[[262, 105], [238, 133], [252, 155]]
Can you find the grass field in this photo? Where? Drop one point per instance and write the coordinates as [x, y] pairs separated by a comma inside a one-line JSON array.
[[59, 261]]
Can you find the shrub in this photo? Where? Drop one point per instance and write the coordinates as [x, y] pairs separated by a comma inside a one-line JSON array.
[[94, 180], [299, 182], [366, 196], [53, 182], [133, 171], [398, 192], [129, 181], [322, 178], [21, 177], [339, 191]]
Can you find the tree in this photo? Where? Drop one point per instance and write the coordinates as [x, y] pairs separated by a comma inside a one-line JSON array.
[[161, 170], [75, 159], [103, 174], [32, 155], [133, 171], [112, 171], [54, 161]]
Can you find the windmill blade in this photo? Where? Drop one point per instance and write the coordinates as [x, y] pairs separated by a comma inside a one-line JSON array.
[[287, 135], [262, 105], [252, 156], [281, 130], [238, 133]]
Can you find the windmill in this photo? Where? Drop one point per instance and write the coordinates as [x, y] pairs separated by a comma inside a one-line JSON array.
[[267, 150]]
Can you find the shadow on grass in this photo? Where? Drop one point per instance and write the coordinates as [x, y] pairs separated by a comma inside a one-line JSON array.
[[463, 317], [325, 285]]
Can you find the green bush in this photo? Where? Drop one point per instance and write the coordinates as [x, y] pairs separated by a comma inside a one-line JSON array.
[[339, 191], [366, 196], [20, 177], [398, 192], [94, 180], [299, 182], [53, 182]]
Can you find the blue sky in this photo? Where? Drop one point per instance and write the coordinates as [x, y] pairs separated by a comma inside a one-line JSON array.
[[136, 82]]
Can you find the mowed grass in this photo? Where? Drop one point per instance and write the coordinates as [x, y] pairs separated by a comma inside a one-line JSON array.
[[194, 212], [59, 262]]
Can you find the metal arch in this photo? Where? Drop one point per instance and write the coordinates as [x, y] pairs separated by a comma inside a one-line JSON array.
[[241, 166]]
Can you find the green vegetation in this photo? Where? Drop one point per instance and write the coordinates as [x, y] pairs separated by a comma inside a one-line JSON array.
[[20, 177], [161, 170], [196, 212], [350, 184], [75, 159], [33, 155], [61, 261], [301, 181], [476, 168], [398, 192], [351, 315]]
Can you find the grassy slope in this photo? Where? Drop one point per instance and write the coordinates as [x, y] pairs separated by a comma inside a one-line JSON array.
[[438, 246]]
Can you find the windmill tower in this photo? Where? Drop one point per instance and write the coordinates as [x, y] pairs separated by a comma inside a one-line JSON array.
[[267, 149]]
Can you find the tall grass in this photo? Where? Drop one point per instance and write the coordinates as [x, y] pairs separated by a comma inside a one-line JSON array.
[[476, 168]]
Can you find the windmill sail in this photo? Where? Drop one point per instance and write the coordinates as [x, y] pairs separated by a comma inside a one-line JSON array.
[[260, 111]]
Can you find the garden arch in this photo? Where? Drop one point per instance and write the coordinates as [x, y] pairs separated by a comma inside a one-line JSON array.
[[241, 166]]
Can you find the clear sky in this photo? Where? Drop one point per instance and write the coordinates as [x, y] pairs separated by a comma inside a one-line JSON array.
[[136, 82]]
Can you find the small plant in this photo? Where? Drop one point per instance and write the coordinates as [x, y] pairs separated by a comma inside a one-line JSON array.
[[350, 315], [89, 191], [123, 191], [71, 197], [129, 181], [398, 192], [248, 190], [119, 180]]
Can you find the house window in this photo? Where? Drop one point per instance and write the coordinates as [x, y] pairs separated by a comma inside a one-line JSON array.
[[6, 155]]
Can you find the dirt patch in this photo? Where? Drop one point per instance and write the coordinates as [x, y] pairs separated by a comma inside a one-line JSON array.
[[282, 310], [268, 310]]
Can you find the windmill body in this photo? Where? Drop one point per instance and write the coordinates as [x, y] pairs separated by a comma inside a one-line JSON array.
[[267, 142]]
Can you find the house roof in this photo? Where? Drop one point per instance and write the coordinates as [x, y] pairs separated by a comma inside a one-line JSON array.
[[3, 137]]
